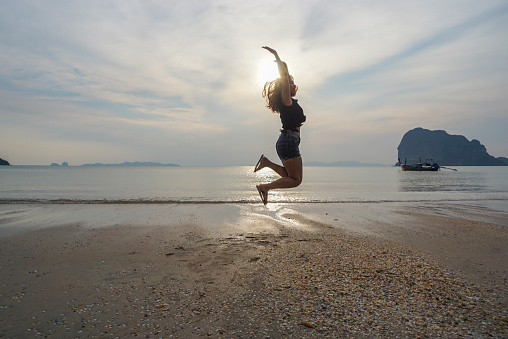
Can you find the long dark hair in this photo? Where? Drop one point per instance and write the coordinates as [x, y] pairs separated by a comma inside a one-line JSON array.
[[272, 92]]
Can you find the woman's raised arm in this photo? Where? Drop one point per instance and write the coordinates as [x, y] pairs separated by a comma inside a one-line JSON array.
[[284, 76]]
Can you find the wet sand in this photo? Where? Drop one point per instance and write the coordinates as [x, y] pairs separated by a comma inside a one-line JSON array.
[[328, 270]]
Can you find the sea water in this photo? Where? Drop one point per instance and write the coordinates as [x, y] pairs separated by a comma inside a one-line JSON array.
[[163, 185]]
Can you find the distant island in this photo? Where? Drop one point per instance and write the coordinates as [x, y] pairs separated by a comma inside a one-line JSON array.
[[445, 149], [137, 163], [341, 164], [4, 162]]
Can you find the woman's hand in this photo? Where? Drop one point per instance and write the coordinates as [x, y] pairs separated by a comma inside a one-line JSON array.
[[283, 67], [271, 50]]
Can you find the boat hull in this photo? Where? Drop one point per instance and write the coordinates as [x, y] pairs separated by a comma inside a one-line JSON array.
[[417, 168]]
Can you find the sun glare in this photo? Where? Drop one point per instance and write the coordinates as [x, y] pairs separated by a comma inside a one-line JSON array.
[[267, 71]]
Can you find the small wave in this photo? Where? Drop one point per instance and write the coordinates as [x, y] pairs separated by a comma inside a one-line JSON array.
[[116, 201], [212, 202]]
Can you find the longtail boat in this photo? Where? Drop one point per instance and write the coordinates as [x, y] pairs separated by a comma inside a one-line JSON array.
[[420, 166]]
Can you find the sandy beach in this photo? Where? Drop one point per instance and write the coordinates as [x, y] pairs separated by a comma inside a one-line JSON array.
[[226, 271]]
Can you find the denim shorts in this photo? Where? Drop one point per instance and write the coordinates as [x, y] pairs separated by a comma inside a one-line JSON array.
[[287, 145]]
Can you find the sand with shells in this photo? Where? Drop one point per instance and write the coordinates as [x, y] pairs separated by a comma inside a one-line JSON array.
[[286, 271]]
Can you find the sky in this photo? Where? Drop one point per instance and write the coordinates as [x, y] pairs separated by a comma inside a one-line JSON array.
[[180, 81]]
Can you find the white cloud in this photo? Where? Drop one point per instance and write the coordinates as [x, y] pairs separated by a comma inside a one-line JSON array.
[[185, 73]]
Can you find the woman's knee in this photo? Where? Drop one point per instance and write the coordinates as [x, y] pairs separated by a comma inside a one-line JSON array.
[[297, 181], [294, 169]]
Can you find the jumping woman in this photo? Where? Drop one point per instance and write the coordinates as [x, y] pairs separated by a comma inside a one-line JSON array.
[[279, 95]]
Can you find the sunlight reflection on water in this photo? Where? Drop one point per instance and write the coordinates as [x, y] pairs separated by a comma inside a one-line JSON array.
[[44, 184]]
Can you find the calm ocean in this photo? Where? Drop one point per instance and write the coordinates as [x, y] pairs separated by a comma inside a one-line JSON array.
[[160, 185]]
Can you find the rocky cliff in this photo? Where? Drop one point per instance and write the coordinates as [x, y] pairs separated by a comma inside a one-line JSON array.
[[445, 149], [4, 162]]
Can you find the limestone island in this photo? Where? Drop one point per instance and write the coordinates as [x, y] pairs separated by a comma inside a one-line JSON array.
[[447, 150]]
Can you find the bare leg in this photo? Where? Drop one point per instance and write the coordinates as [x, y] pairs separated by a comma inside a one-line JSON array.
[[280, 170], [294, 170]]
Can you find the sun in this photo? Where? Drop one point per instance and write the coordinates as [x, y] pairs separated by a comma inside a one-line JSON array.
[[267, 71]]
